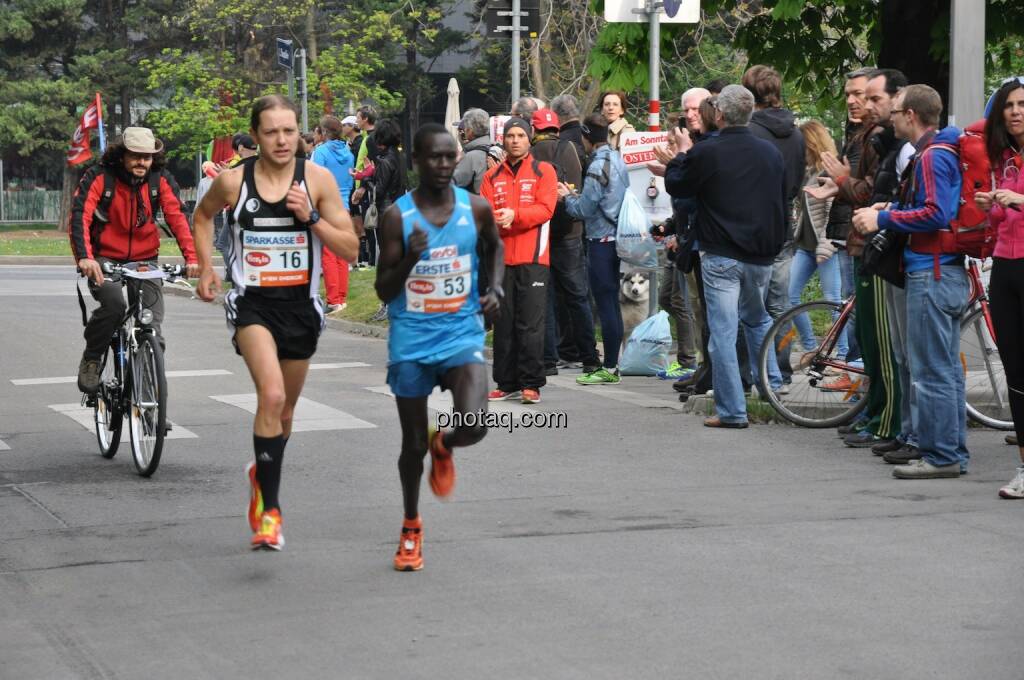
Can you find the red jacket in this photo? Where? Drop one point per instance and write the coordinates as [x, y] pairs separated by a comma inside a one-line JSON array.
[[129, 235], [532, 192]]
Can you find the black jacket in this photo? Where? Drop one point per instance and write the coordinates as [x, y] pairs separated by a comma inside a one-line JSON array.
[[739, 183], [778, 126], [573, 131], [887, 180]]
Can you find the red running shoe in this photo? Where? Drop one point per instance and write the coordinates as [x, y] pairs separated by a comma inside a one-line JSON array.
[[442, 467], [409, 556], [269, 536]]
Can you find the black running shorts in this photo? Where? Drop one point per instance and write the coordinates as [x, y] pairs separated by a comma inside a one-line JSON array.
[[295, 326]]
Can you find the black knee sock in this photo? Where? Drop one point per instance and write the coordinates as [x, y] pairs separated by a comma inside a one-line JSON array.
[[269, 455]]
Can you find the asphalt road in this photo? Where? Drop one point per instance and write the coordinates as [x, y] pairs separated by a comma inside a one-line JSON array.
[[634, 543]]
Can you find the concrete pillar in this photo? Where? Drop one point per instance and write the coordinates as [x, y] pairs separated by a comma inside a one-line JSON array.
[[967, 63]]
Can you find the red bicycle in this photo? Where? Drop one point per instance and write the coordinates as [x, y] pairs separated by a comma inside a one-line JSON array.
[[812, 402]]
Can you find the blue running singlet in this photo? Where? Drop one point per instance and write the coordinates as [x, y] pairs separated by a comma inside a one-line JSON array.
[[437, 313]]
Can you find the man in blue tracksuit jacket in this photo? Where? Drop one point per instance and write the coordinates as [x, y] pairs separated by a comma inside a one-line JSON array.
[[936, 283]]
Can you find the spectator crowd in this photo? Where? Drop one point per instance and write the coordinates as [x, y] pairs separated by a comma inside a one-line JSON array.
[[761, 203]]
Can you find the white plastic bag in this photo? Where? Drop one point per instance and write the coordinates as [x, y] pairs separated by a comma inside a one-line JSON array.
[[648, 347], [633, 241]]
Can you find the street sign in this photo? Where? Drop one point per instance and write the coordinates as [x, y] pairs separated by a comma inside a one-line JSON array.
[[499, 17], [672, 11], [285, 53], [637, 150]]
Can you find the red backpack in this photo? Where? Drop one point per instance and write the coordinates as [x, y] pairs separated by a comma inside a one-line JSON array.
[[970, 233]]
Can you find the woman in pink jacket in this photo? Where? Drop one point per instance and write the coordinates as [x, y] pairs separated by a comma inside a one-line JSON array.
[[1004, 134]]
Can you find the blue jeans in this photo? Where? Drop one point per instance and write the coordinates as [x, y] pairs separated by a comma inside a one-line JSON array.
[[734, 292], [933, 353], [604, 286], [569, 280], [848, 286], [803, 267]]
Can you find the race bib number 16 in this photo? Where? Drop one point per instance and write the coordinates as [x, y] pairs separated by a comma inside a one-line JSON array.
[[275, 258]]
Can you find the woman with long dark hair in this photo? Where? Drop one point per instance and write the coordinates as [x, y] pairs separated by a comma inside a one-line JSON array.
[[1004, 137]]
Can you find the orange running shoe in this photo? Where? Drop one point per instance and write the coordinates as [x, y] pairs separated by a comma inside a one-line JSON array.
[[442, 467], [499, 395], [409, 556], [840, 384], [255, 498], [269, 536], [531, 396]]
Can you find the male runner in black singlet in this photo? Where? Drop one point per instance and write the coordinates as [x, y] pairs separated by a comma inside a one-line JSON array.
[[280, 210], [433, 241]]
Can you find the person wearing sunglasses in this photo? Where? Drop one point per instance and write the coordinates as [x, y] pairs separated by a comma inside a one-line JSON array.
[[1004, 135]]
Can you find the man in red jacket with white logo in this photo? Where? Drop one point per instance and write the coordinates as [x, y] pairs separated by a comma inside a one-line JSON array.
[[523, 192], [113, 220]]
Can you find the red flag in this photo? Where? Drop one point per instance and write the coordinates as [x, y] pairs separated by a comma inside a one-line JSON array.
[[92, 118]]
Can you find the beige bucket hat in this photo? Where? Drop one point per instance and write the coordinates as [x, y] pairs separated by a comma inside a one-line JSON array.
[[141, 140]]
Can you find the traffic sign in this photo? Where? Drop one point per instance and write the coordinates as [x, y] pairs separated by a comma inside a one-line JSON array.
[[285, 53], [499, 17], [672, 11]]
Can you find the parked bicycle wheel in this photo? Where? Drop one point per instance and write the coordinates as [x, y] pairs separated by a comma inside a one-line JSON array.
[[807, 404], [988, 400], [107, 410], [148, 411]]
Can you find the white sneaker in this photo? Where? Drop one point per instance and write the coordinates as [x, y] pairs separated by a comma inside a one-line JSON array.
[[922, 469], [331, 309], [1015, 489]]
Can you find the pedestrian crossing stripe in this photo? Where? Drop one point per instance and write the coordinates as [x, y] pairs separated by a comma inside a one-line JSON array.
[[195, 373], [309, 415], [83, 415], [343, 364], [4, 446], [443, 402]]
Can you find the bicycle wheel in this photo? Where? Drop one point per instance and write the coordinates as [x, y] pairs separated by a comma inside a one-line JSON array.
[[807, 404], [148, 412], [988, 398], [107, 413]]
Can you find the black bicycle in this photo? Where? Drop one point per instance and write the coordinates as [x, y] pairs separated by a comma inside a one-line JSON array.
[[132, 378]]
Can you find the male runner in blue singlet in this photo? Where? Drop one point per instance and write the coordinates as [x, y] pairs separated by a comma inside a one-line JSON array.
[[432, 241], [281, 210]]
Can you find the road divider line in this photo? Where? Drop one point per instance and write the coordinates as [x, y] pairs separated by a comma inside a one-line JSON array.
[[4, 446], [310, 416], [83, 415], [343, 364]]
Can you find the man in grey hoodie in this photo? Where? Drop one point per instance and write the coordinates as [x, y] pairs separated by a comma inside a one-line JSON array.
[[470, 170], [777, 125]]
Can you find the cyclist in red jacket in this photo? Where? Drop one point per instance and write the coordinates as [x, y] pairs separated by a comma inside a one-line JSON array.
[[113, 220]]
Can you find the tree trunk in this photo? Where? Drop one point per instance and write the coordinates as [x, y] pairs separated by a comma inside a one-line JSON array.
[[68, 185], [907, 40], [536, 72], [311, 34], [589, 101]]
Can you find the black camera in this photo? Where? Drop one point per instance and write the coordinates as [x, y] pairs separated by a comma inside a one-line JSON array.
[[881, 241]]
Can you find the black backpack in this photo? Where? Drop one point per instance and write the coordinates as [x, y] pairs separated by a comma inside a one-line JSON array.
[[102, 213]]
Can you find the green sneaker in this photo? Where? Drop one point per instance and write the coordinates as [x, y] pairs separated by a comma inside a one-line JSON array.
[[599, 377]]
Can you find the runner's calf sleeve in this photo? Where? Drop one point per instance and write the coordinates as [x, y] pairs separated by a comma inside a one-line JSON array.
[[269, 456]]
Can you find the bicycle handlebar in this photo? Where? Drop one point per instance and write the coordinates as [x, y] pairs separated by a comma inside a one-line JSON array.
[[142, 271]]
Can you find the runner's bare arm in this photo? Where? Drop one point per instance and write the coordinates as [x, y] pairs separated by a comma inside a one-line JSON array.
[[492, 254], [335, 226], [223, 191], [394, 261]]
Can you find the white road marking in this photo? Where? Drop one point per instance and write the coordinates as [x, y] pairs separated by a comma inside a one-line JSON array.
[[343, 364], [309, 416], [37, 288], [198, 373], [615, 393], [443, 402], [4, 446], [83, 415]]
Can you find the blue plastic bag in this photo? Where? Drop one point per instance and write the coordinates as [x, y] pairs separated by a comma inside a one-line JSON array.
[[648, 347], [633, 241]]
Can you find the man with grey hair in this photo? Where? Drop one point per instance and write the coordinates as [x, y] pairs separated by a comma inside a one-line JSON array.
[[690, 102], [469, 172], [567, 108], [525, 106], [738, 182]]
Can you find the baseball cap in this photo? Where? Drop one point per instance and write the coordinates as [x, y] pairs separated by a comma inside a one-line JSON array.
[[242, 140], [545, 119], [349, 120]]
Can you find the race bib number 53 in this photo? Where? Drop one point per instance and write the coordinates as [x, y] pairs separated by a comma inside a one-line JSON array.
[[275, 258], [439, 284]]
